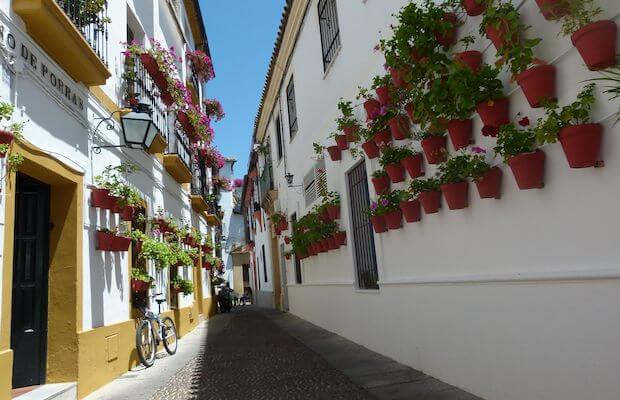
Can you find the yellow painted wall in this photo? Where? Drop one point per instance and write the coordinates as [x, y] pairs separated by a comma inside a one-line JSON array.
[[6, 365], [238, 279]]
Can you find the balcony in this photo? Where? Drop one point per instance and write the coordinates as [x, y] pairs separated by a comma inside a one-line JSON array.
[[213, 214], [177, 158], [76, 40], [139, 87], [268, 194], [200, 190]]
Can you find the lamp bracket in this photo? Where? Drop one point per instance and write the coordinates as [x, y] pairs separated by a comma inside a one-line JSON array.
[[97, 149]]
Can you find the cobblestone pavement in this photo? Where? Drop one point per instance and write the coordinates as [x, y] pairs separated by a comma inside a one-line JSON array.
[[247, 356]]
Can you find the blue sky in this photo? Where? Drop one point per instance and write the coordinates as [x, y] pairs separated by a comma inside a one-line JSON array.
[[241, 36]]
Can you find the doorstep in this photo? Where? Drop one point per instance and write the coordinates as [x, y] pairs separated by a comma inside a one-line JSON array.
[[56, 391]]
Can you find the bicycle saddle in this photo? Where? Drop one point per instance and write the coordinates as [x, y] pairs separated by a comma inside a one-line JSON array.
[[159, 301]]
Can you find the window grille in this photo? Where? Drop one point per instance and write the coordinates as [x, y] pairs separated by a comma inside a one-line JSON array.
[[280, 149], [330, 32], [292, 108]]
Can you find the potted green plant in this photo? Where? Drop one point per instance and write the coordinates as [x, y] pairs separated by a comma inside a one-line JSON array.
[[108, 240], [454, 185], [371, 105], [571, 125], [385, 213], [474, 7], [380, 131], [111, 185], [488, 179], [409, 205], [332, 201], [433, 145], [518, 148], [180, 285], [491, 104], [399, 125], [380, 181], [158, 251], [501, 24], [428, 192], [346, 122], [382, 87], [471, 59], [368, 143], [278, 219], [140, 280], [341, 140], [390, 161]]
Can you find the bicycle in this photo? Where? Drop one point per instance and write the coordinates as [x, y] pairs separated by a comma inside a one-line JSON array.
[[148, 338]]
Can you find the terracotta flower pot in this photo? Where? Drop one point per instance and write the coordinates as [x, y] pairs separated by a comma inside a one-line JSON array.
[[324, 216], [383, 93], [581, 144], [185, 123], [398, 77], [538, 84], [115, 202], [498, 35], [111, 242], [6, 137], [334, 153], [470, 58], [341, 238], [371, 149], [529, 169], [413, 165], [474, 7], [100, 198], [396, 172], [460, 131], [383, 138], [378, 223], [150, 65], [411, 210], [325, 245], [139, 286], [166, 97], [552, 9], [137, 247], [373, 108], [494, 113], [596, 42], [127, 213], [409, 108], [331, 243], [334, 212], [381, 184], [448, 38], [489, 185], [394, 219], [399, 126], [430, 201], [350, 133], [434, 149], [283, 225], [341, 142], [456, 195]]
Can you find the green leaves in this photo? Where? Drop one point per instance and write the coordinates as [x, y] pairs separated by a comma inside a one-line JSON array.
[[512, 141], [580, 13], [394, 155], [184, 285], [420, 185]]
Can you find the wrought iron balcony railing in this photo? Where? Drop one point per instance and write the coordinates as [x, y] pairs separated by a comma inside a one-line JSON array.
[[266, 182], [92, 22], [199, 179], [178, 143]]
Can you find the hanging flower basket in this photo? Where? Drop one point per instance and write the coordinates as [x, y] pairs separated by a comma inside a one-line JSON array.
[[489, 184], [494, 113], [596, 42], [341, 238], [448, 38], [470, 58], [529, 169], [399, 126], [127, 213], [383, 138], [413, 165], [341, 142], [110, 242], [456, 194], [381, 184], [138, 286], [430, 201], [396, 172], [334, 153], [411, 210], [474, 7], [383, 93], [581, 144], [378, 223], [334, 212], [460, 131], [371, 149], [538, 84], [373, 108], [394, 219], [434, 149], [552, 9]]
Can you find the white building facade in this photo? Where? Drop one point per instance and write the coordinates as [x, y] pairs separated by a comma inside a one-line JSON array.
[[507, 299]]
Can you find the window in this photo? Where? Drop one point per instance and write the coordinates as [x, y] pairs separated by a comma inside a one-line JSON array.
[[297, 260], [330, 32], [315, 182], [264, 262], [292, 108], [279, 137], [363, 240]]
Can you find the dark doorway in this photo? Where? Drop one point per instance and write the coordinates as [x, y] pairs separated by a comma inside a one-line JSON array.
[[30, 276]]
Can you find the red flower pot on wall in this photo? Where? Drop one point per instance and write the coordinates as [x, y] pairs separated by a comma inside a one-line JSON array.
[[350, 133], [498, 35], [378, 223], [528, 169], [341, 142], [325, 245], [596, 42], [494, 113], [381, 184], [460, 132], [6, 137], [331, 243], [110, 242], [185, 124], [166, 97], [341, 238], [394, 219], [474, 7], [127, 213], [373, 108], [399, 126], [448, 38], [470, 58], [115, 202], [538, 84], [411, 210], [383, 93], [139, 286], [371, 149], [100, 198], [430, 201], [456, 195], [333, 212], [150, 65], [396, 172], [552, 9], [434, 149], [413, 165], [398, 77], [334, 153], [383, 138], [581, 144], [489, 184]]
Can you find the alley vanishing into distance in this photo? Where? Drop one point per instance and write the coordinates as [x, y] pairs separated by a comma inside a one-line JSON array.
[[256, 353]]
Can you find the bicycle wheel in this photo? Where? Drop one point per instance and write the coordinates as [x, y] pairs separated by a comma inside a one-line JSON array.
[[169, 335], [145, 343]]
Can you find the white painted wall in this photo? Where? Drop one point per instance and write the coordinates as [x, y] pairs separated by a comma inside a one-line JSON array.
[[510, 299]]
